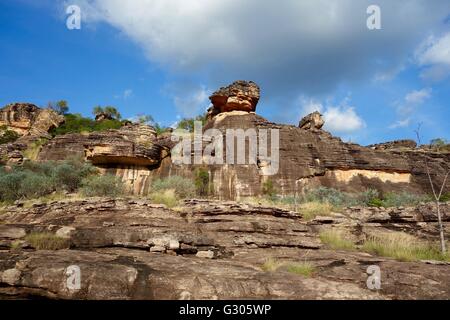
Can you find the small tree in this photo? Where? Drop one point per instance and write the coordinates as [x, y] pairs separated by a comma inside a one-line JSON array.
[[108, 112], [61, 107], [437, 194]]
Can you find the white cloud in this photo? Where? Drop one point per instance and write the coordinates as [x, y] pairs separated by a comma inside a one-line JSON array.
[[434, 56], [340, 118], [285, 46], [409, 106], [400, 123], [192, 102], [127, 93]]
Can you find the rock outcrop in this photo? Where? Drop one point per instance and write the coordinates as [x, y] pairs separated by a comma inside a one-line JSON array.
[[391, 145], [134, 249], [28, 119], [312, 121], [239, 96]]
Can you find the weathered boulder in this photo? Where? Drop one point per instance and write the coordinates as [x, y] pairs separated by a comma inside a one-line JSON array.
[[312, 121], [239, 96], [28, 119]]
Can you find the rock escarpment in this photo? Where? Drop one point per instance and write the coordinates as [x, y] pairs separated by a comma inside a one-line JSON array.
[[134, 249], [28, 119]]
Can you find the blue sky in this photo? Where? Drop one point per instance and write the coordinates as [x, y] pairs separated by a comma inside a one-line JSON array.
[[165, 58]]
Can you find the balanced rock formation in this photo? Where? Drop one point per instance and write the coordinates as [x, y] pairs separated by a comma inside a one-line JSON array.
[[239, 96], [312, 121], [28, 119]]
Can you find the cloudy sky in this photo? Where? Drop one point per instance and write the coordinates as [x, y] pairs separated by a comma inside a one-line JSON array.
[[165, 57]]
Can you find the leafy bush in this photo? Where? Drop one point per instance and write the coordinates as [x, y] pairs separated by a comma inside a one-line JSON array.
[[403, 199], [183, 187], [7, 136], [102, 186], [166, 197], [268, 188], [202, 182], [37, 179], [76, 123], [332, 196]]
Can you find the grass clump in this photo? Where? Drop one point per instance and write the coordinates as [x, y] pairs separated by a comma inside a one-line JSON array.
[[166, 197], [102, 186], [310, 210], [402, 246], [304, 268], [336, 239], [46, 241], [183, 187]]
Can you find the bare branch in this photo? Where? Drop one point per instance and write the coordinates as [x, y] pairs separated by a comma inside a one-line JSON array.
[[443, 184]]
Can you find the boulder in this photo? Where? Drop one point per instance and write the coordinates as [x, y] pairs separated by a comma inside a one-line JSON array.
[[312, 121], [239, 96], [28, 119]]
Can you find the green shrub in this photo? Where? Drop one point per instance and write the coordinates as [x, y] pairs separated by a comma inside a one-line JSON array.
[[202, 182], [166, 197], [332, 196], [268, 188], [183, 187], [36, 185], [403, 199], [47, 241], [376, 202], [10, 185], [445, 197], [8, 136], [102, 186], [76, 123]]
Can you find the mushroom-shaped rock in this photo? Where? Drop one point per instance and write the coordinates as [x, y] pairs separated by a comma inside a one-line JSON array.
[[239, 96]]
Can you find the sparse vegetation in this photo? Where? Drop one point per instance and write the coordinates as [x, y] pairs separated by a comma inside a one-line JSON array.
[[303, 268], [402, 246], [109, 112], [102, 186], [61, 107], [41, 179], [46, 241], [310, 210], [268, 188], [7, 136], [76, 123], [336, 240], [34, 148], [188, 123], [183, 187], [202, 182], [166, 197]]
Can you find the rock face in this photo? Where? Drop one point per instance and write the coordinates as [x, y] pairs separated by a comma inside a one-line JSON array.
[[312, 121], [134, 249], [28, 119], [239, 96], [397, 144], [129, 152]]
